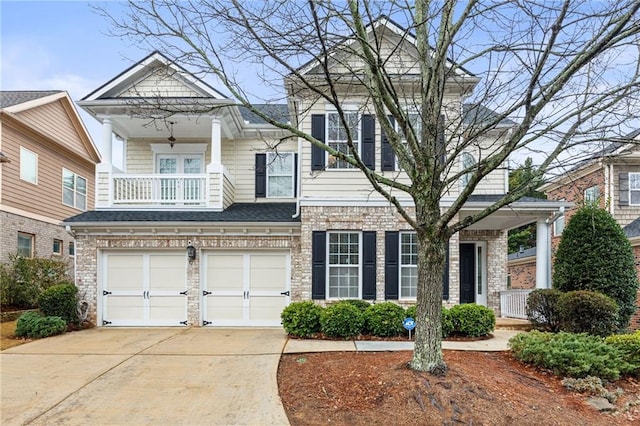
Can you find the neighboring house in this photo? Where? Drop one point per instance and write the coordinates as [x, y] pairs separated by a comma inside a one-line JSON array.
[[47, 173], [610, 177], [207, 224]]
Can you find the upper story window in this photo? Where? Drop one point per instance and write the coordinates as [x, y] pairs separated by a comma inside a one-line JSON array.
[[408, 265], [280, 174], [634, 189], [74, 190], [558, 226], [343, 265], [467, 161], [28, 165], [337, 137], [592, 194], [26, 244]]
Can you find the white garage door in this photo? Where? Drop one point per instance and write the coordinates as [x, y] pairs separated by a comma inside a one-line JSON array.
[[142, 289], [245, 289]]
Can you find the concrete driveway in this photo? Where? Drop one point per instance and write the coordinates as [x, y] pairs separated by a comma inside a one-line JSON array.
[[118, 376]]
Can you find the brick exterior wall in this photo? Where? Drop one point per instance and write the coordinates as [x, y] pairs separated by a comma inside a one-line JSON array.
[[635, 319], [522, 273], [88, 248], [45, 233]]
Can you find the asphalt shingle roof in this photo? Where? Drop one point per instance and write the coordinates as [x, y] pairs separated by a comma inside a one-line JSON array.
[[239, 212], [523, 254], [279, 112], [632, 229], [476, 114], [10, 98]]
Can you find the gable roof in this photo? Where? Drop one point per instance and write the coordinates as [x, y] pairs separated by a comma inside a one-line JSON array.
[[142, 68], [279, 112], [16, 97], [632, 229]]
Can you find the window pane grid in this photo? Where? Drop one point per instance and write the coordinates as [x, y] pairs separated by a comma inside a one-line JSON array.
[[337, 137], [344, 264], [634, 189], [74, 190], [280, 174], [408, 265]]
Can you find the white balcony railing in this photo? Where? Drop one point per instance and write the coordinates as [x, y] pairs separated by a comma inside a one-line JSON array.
[[160, 190], [513, 303]]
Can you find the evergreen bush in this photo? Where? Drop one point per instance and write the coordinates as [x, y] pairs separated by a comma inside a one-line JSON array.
[[587, 312], [301, 319], [472, 320], [542, 309], [594, 254], [446, 319], [629, 347], [385, 319], [60, 300], [33, 325], [342, 320]]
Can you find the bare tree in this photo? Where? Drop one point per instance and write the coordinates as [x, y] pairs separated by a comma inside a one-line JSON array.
[[559, 75]]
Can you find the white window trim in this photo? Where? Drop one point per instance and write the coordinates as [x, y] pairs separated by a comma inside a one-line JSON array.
[[61, 248], [400, 266], [32, 237], [75, 191], [633, 189], [328, 265], [555, 226], [346, 109], [28, 152], [292, 176], [587, 192]]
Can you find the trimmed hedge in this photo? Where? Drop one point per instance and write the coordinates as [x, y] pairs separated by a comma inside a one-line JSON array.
[[587, 312], [542, 309], [61, 301], [342, 319], [385, 319], [472, 320], [301, 319], [34, 325]]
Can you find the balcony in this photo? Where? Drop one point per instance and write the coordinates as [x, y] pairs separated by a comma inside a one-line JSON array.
[[166, 190]]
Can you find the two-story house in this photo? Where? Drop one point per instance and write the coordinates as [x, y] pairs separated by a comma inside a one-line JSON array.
[[47, 173], [219, 218]]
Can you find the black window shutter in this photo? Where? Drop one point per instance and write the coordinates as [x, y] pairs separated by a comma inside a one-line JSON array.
[[261, 175], [623, 181], [318, 264], [369, 265], [388, 156], [317, 131], [440, 145], [368, 151], [295, 175], [445, 275], [391, 264]]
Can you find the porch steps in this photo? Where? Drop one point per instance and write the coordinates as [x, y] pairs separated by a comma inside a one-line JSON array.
[[512, 324]]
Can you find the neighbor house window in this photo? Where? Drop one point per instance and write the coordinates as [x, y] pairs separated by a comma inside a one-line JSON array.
[[28, 165], [408, 265], [337, 137], [592, 194], [634, 189], [558, 226], [74, 190], [344, 264], [72, 248], [57, 247], [467, 161], [26, 243], [280, 179]]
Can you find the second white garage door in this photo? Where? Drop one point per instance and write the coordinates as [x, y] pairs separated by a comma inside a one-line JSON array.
[[245, 288]]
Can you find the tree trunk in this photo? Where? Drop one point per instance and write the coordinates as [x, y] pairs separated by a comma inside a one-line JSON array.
[[427, 355]]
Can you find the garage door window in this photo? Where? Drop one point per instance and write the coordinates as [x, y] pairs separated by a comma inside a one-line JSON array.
[[344, 264]]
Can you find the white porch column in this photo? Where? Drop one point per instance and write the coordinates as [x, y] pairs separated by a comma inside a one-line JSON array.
[[107, 146], [542, 254], [216, 145]]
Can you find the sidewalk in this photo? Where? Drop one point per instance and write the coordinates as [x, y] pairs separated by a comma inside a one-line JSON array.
[[499, 342]]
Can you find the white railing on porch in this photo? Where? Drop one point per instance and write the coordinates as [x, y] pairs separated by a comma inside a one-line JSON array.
[[513, 303], [161, 190]]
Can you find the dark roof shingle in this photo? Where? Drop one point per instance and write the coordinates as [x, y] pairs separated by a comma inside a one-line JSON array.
[[279, 112], [632, 229], [10, 98]]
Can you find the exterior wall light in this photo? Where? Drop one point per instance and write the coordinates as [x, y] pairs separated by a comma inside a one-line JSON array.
[[191, 252]]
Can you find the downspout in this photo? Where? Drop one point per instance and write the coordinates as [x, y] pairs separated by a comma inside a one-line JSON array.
[[299, 184]]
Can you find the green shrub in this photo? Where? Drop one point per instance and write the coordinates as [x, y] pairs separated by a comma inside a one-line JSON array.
[[594, 254], [587, 312], [24, 279], [447, 319], [385, 319], [301, 319], [363, 305], [61, 301], [32, 324], [342, 320], [568, 354], [629, 347], [542, 309], [472, 320]]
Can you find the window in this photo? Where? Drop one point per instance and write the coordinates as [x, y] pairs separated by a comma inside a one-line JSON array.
[[26, 243], [280, 174], [74, 190], [467, 161], [72, 248], [408, 265], [338, 139], [592, 194], [57, 247], [558, 226], [344, 264], [28, 165], [634, 189], [416, 123]]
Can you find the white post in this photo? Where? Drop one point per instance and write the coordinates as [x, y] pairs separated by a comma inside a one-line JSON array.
[[542, 255], [216, 145], [107, 146]]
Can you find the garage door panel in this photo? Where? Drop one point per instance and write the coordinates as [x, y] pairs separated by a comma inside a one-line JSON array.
[[268, 272], [125, 272], [266, 310], [167, 309], [167, 272], [225, 272], [225, 310], [125, 309]]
